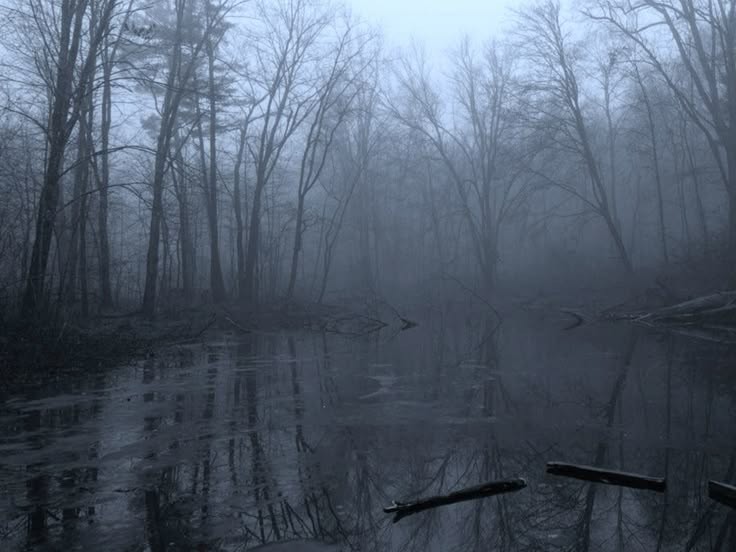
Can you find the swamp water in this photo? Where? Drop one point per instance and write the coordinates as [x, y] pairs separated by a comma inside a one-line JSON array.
[[247, 441]]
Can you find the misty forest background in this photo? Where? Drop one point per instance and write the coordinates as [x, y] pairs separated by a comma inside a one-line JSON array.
[[160, 154]]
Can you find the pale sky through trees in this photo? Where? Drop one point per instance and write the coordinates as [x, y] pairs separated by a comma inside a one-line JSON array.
[[435, 23]]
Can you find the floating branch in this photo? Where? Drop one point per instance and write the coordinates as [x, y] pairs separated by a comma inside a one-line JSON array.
[[404, 509], [597, 475], [723, 493]]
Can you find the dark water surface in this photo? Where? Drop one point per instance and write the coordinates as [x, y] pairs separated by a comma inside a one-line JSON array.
[[253, 440]]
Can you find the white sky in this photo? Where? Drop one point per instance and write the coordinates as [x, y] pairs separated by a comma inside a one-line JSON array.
[[438, 24]]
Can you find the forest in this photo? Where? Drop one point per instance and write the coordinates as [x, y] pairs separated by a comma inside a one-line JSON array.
[[163, 154], [264, 272]]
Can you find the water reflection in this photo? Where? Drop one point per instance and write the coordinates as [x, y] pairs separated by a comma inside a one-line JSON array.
[[251, 440]]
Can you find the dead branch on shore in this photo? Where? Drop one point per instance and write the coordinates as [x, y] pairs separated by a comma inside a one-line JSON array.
[[714, 308], [492, 488], [609, 477], [711, 317]]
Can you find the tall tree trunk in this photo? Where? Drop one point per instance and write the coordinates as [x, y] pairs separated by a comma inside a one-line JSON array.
[[238, 206], [298, 236], [154, 237], [78, 250], [103, 179], [252, 251], [102, 186], [70, 26], [85, 128], [176, 82], [731, 157], [655, 160], [216, 281], [81, 172], [602, 198], [693, 171], [186, 244]]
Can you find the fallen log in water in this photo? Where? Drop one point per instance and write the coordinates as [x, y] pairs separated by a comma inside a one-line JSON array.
[[609, 477], [715, 309], [722, 492], [704, 307], [404, 509]]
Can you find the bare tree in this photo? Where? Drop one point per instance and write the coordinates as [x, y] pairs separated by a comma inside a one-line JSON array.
[[703, 33], [472, 143], [213, 38], [339, 87], [553, 81], [74, 59], [179, 73], [655, 153], [282, 50]]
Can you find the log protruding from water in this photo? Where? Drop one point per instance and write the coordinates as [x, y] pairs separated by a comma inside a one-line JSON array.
[[722, 492], [492, 488], [609, 477]]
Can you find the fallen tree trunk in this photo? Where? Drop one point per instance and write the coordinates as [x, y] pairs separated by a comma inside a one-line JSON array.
[[711, 317], [609, 477], [718, 308], [722, 492], [492, 488]]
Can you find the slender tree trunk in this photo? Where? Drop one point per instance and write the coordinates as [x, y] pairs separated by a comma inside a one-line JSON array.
[[102, 185], [81, 173], [298, 236], [83, 276], [612, 156], [700, 208], [594, 173], [252, 251], [154, 237], [186, 245], [176, 81], [70, 25], [238, 206], [655, 160], [216, 280], [731, 157]]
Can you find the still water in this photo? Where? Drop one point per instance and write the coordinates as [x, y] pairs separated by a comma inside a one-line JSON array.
[[249, 440]]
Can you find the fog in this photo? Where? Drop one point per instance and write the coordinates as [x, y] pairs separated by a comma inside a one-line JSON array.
[[278, 179], [261, 151]]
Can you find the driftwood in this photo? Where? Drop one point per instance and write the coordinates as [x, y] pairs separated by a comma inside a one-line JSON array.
[[609, 477], [723, 493], [404, 509]]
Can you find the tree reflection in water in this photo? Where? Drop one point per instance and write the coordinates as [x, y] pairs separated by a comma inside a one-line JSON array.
[[255, 439]]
